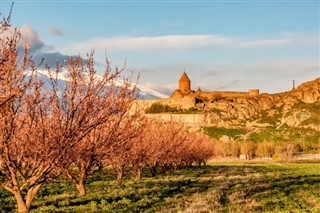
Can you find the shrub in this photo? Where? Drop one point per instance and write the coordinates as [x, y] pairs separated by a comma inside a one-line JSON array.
[[160, 108], [248, 147], [265, 149]]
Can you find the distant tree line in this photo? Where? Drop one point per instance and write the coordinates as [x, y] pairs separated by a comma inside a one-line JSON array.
[[284, 150], [163, 108]]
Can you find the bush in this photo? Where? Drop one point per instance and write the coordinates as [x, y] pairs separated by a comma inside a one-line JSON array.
[[191, 109], [160, 108], [265, 149], [248, 147]]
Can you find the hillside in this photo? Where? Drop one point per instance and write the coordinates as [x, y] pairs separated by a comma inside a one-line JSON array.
[[289, 116], [292, 115], [297, 108]]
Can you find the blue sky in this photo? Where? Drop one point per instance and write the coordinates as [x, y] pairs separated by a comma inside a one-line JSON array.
[[222, 45]]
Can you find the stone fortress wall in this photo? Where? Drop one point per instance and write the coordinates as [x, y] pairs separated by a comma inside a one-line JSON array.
[[224, 94], [191, 120], [179, 103]]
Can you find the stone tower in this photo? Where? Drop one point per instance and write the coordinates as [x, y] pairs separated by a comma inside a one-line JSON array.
[[184, 83]]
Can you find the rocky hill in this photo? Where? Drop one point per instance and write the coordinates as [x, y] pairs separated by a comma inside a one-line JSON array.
[[297, 108], [289, 116]]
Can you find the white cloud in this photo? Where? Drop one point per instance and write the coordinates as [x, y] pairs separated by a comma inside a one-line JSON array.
[[55, 31], [38, 48], [169, 42], [31, 37], [185, 42], [266, 42]]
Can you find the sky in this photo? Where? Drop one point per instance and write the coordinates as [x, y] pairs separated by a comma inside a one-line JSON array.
[[229, 45]]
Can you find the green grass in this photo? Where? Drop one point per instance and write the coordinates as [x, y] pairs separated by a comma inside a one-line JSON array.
[[268, 134], [216, 132], [287, 134], [218, 187]]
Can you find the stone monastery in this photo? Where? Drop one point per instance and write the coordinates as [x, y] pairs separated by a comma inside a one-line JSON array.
[[185, 91], [185, 98]]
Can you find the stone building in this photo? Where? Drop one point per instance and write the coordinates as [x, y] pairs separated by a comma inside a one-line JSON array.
[[185, 98], [184, 87], [184, 90]]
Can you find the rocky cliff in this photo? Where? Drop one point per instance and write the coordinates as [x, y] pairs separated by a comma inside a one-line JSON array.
[[297, 108]]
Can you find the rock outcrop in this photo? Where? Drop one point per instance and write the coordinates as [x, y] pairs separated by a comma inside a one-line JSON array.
[[297, 108]]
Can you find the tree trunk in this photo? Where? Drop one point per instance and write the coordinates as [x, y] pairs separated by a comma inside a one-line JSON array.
[[153, 171], [20, 202], [138, 175], [81, 183], [119, 177], [30, 195], [163, 169], [81, 187]]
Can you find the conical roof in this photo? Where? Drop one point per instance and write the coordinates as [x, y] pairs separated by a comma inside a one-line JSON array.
[[184, 77]]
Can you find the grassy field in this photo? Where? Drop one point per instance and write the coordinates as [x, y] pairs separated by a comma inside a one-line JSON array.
[[218, 187]]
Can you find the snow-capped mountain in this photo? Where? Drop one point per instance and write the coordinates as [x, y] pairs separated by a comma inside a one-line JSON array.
[[148, 93], [143, 91]]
